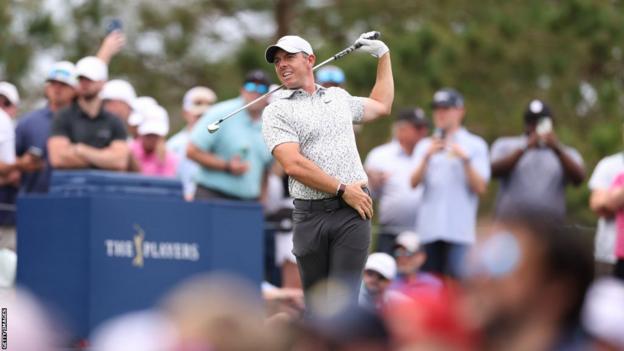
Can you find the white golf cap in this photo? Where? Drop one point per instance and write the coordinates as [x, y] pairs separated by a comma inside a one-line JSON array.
[[118, 89], [64, 72], [602, 313], [288, 43], [138, 107], [155, 121], [409, 240], [198, 99], [383, 264], [92, 68], [9, 91]]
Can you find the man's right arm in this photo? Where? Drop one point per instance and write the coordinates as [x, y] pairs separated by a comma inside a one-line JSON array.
[[418, 175], [62, 154], [502, 165], [308, 173]]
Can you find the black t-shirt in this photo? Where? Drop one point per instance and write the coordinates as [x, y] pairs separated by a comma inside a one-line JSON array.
[[98, 132]]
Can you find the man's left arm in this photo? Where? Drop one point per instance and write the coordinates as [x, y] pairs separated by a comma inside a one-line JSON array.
[[572, 166], [379, 103]]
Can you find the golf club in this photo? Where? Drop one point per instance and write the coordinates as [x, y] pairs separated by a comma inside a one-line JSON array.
[[215, 126]]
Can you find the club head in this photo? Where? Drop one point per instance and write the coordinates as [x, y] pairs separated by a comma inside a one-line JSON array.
[[213, 128]]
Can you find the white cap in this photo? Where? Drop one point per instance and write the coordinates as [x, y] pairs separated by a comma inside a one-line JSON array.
[[198, 99], [64, 72], [155, 121], [92, 68], [603, 315], [383, 264], [409, 240], [9, 91], [118, 89], [138, 106], [288, 43]]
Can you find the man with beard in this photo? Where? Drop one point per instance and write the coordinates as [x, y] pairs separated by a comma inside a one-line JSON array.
[[84, 135]]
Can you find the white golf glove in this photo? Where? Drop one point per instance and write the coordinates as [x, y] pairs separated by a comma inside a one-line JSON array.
[[377, 48]]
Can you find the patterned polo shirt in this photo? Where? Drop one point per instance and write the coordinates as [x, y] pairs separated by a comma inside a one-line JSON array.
[[322, 125]]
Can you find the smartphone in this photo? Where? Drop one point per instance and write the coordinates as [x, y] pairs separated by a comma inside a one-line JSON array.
[[439, 133], [35, 151], [114, 24], [544, 126]]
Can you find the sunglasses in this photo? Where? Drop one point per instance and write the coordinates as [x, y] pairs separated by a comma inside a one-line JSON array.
[[330, 77], [256, 87], [403, 253]]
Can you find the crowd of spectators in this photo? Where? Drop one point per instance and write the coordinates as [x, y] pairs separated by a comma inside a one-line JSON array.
[[434, 282]]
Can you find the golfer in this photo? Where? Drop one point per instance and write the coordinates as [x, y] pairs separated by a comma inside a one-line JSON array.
[[308, 129]]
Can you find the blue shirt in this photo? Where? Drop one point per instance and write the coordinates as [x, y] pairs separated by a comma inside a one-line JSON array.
[[448, 210], [33, 129], [187, 169], [238, 136]]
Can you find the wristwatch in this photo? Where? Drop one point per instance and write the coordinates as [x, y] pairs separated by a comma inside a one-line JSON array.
[[341, 189]]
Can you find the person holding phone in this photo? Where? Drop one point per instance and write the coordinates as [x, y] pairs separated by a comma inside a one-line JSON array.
[[534, 168], [453, 168]]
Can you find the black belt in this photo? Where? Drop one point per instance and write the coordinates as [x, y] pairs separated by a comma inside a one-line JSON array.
[[329, 204]]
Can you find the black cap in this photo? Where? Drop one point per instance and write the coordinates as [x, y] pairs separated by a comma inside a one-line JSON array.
[[535, 110], [257, 76], [447, 98], [414, 115]]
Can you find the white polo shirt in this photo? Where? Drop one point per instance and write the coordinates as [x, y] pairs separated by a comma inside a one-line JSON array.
[[398, 201]]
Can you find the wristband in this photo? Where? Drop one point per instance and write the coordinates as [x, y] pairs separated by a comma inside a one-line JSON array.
[[341, 189]]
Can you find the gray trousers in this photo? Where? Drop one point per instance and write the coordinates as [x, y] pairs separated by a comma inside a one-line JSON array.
[[330, 240]]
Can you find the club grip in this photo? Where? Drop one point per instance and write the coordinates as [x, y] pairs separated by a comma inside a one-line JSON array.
[[373, 36]]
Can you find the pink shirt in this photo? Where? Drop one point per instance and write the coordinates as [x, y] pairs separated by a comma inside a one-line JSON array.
[[619, 220], [151, 165]]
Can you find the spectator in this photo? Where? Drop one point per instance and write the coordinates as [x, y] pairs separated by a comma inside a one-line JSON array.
[[453, 168], [152, 132], [84, 135], [389, 167], [278, 209], [330, 76], [33, 129], [535, 167], [135, 118], [379, 271], [526, 283], [9, 175], [196, 102], [599, 184], [235, 160], [117, 98], [410, 257]]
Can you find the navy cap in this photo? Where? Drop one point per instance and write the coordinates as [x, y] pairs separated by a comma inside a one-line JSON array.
[[536, 109], [447, 98], [414, 115]]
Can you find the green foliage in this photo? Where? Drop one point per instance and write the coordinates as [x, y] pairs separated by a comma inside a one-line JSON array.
[[498, 54]]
